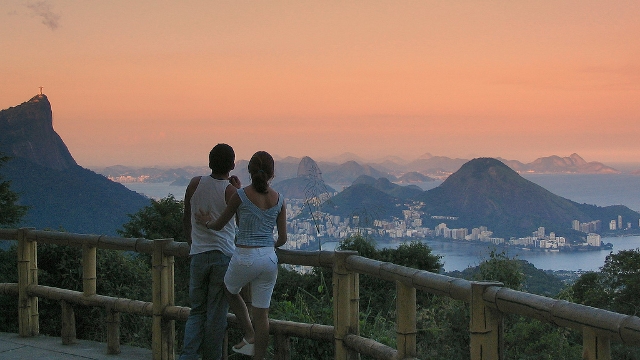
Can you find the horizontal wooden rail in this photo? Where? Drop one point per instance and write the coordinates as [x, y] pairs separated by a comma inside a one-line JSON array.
[[324, 259], [618, 327], [438, 284], [370, 347], [289, 328], [8, 234]]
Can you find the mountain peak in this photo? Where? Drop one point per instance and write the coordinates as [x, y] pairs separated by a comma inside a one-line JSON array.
[[577, 159], [309, 168], [26, 131], [485, 191]]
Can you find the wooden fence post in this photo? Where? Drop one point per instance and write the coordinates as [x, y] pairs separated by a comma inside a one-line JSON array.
[[282, 347], [343, 283], [163, 333], [486, 326], [354, 299], [594, 346], [113, 332], [89, 253], [406, 321], [28, 318], [68, 332]]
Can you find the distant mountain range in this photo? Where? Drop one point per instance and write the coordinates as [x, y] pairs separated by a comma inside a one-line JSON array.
[[61, 195], [427, 168], [483, 192]]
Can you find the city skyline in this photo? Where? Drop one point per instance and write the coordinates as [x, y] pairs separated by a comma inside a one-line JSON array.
[[145, 84]]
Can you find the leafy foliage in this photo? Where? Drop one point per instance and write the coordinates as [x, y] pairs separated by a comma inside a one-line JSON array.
[[160, 220], [10, 211], [535, 281], [8, 304], [499, 267], [532, 340], [303, 298], [616, 287]]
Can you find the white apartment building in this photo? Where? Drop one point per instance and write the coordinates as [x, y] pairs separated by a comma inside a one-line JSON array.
[[593, 239]]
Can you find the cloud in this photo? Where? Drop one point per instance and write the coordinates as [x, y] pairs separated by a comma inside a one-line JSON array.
[[43, 10]]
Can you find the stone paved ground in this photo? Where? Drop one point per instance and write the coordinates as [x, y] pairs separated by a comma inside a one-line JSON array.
[[13, 347]]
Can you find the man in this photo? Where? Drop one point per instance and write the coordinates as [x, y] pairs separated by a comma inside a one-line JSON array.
[[210, 254]]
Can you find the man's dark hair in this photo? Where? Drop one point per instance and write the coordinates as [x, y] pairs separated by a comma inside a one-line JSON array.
[[222, 159]]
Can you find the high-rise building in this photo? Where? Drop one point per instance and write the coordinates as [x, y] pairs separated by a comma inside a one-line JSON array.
[[593, 239], [575, 225]]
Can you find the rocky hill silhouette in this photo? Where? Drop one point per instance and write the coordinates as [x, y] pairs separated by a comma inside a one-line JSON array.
[[364, 201], [61, 195], [307, 184], [26, 131], [487, 192]]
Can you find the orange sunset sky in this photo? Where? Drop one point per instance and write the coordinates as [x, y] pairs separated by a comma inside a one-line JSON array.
[[161, 82]]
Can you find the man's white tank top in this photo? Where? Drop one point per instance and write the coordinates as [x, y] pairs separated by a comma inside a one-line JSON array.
[[209, 198]]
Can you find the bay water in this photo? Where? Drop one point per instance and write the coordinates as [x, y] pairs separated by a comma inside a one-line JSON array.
[[601, 190], [459, 255]]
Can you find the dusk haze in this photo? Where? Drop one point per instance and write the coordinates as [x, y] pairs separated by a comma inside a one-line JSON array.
[[148, 83]]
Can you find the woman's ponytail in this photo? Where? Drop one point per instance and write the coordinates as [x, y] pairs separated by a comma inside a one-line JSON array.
[[261, 167]]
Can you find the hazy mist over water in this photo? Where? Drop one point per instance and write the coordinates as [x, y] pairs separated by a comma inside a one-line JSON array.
[[601, 190]]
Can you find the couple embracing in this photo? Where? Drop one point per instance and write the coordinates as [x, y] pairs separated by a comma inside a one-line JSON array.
[[217, 213]]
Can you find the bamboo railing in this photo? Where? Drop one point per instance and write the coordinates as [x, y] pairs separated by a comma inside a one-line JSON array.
[[488, 301]]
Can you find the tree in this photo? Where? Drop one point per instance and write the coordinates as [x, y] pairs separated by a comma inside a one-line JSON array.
[[160, 220], [499, 267], [413, 254], [10, 212], [616, 287]]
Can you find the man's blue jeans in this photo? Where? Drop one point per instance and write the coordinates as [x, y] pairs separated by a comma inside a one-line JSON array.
[[207, 323]]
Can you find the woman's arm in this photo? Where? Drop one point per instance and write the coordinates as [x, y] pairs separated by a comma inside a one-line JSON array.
[[281, 225], [217, 224]]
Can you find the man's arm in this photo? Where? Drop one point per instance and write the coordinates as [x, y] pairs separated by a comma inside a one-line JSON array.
[[186, 217]]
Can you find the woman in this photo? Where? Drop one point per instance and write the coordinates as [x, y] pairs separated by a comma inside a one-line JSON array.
[[259, 209]]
